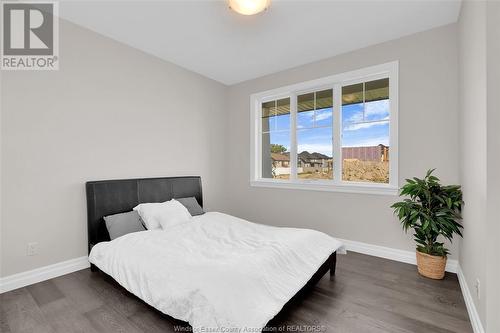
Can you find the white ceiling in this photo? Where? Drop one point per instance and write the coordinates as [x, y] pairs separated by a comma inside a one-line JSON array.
[[210, 39]]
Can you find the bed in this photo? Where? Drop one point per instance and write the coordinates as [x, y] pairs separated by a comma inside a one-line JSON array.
[[218, 272]]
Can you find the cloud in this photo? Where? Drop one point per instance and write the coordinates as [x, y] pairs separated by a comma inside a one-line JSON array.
[[377, 108], [373, 111], [323, 115], [363, 125], [354, 118]]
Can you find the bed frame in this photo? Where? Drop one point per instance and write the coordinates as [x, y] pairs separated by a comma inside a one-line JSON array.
[[107, 197]]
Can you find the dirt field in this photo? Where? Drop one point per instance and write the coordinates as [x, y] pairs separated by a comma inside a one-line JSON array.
[[354, 170], [316, 175], [365, 171], [309, 175]]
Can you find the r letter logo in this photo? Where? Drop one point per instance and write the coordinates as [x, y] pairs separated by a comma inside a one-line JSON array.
[[30, 36]]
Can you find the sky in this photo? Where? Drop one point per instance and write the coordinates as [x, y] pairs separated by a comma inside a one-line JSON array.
[[362, 125]]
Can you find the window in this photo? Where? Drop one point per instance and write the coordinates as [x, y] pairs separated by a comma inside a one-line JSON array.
[[276, 139], [315, 135], [337, 133], [365, 131]]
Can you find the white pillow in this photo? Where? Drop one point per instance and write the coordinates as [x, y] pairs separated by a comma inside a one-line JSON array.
[[163, 214]]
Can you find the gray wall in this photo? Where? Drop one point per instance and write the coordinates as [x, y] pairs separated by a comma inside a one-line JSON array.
[[472, 62], [479, 51], [493, 151], [109, 112], [428, 138]]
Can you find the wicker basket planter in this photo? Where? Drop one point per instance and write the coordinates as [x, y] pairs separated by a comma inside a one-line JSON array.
[[431, 266]]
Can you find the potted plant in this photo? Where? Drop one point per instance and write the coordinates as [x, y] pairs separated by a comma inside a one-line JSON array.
[[431, 210]]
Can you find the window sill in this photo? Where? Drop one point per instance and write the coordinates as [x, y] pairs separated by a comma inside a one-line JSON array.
[[316, 185]]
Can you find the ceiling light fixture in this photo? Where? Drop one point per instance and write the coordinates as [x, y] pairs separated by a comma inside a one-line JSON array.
[[249, 7]]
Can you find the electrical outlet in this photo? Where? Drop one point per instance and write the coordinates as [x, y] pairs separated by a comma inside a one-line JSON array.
[[478, 289], [32, 249]]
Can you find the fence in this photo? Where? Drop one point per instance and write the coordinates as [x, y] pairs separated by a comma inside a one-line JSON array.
[[378, 153]]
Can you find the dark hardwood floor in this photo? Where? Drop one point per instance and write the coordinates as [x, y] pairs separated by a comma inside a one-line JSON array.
[[367, 294]]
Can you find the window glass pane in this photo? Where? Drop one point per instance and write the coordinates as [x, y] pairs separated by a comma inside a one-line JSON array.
[[365, 132], [305, 102], [314, 147], [268, 116], [377, 90], [324, 99], [352, 94], [323, 117], [276, 139], [283, 114], [305, 119], [315, 109], [324, 108], [276, 155], [377, 110], [268, 109], [314, 135]]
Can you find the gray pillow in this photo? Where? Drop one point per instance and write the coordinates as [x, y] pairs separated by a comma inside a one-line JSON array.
[[192, 205], [122, 224]]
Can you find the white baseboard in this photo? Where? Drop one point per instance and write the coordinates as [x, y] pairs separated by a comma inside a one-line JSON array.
[[408, 257], [475, 320], [23, 279]]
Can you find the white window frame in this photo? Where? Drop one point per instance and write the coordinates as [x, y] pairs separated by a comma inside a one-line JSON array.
[[335, 82]]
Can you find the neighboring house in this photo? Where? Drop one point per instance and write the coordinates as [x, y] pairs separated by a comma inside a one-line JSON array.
[[280, 160], [314, 162], [308, 162], [306, 159], [281, 163], [378, 153], [317, 162]]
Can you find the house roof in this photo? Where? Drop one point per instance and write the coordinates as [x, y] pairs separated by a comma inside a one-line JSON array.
[[280, 157], [305, 155]]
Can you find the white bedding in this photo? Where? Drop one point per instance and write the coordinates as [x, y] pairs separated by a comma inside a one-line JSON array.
[[218, 271]]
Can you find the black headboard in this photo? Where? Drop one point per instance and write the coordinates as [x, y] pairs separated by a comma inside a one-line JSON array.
[[107, 197]]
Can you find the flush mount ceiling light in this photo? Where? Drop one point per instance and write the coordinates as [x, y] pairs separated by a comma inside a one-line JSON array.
[[249, 7]]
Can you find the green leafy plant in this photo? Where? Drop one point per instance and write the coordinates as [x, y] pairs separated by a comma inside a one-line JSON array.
[[432, 210], [276, 148]]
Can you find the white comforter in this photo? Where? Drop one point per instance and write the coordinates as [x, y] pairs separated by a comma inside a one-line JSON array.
[[218, 272]]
